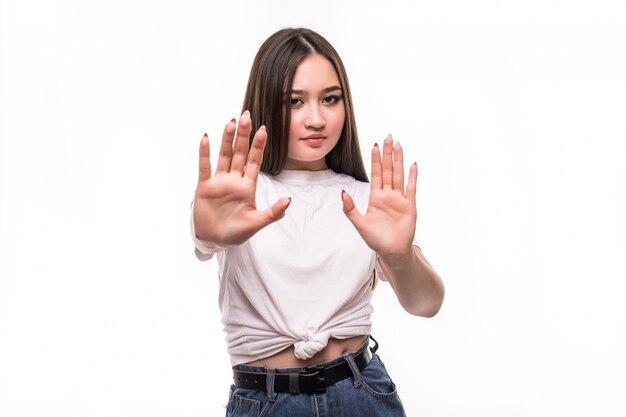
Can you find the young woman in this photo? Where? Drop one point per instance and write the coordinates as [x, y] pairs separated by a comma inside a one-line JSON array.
[[298, 259]]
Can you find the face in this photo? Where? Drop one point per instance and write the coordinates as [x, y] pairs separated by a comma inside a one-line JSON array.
[[317, 114]]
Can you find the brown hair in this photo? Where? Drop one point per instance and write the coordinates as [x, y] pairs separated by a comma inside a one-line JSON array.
[[271, 77]]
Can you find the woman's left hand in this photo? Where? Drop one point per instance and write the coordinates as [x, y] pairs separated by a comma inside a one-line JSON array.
[[388, 226]]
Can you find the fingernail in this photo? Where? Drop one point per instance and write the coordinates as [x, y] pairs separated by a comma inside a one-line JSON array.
[[205, 136], [398, 144], [289, 202], [342, 193], [246, 113], [233, 120], [262, 127], [376, 145]]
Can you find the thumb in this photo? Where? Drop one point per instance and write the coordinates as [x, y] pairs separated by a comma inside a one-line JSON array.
[[350, 209], [276, 212]]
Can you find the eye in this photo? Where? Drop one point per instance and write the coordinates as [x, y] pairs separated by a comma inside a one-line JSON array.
[[295, 101], [331, 99]]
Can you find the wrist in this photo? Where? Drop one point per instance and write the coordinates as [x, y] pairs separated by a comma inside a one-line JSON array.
[[399, 258]]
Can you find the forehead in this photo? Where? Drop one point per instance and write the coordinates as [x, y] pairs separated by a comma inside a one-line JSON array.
[[315, 72]]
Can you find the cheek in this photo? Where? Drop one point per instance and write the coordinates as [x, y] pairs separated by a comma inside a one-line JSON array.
[[340, 120], [292, 127], [295, 123]]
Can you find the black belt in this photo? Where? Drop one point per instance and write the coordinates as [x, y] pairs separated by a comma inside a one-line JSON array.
[[314, 379]]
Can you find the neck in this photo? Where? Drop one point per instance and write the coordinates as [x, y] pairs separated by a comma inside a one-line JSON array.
[[293, 164]]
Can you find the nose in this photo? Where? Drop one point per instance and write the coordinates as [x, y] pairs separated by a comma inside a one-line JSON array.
[[315, 117]]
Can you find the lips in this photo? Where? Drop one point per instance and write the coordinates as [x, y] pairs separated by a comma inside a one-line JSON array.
[[315, 140], [315, 136]]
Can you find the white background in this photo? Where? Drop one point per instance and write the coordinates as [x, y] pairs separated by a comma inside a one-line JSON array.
[[514, 111]]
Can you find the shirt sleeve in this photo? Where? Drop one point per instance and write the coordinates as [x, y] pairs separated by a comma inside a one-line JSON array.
[[204, 250], [379, 270]]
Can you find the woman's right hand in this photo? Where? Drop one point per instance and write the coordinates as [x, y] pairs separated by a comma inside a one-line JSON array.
[[225, 210]]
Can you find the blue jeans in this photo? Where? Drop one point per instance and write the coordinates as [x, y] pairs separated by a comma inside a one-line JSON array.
[[367, 393]]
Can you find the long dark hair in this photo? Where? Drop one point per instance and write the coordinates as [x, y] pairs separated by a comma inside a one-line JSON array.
[[271, 77]]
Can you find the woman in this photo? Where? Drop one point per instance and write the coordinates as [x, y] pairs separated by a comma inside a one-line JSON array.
[[297, 274]]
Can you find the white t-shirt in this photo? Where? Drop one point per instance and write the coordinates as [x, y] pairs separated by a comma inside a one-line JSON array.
[[300, 280]]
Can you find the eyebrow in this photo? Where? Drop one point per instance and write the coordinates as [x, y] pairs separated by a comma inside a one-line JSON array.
[[326, 90]]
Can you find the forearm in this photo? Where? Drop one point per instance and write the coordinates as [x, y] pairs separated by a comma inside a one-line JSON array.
[[418, 287]]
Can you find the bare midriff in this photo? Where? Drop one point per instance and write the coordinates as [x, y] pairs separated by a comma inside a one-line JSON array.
[[287, 358]]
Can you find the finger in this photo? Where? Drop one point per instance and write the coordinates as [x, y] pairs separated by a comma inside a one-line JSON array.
[[377, 169], [205, 159], [255, 157], [411, 185], [226, 148], [398, 168], [274, 213], [240, 150], [387, 162], [351, 211]]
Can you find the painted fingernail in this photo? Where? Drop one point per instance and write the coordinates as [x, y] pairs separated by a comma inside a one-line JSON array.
[[205, 136], [289, 202], [375, 145], [342, 193], [233, 120]]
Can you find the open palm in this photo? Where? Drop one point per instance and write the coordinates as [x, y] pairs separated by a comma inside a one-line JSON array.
[[388, 226], [225, 210]]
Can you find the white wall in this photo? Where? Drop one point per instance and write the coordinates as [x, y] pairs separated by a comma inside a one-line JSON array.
[[514, 111]]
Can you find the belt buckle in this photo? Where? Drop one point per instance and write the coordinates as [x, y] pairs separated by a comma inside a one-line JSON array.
[[321, 382]]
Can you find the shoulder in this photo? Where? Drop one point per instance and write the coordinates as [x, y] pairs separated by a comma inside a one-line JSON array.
[[347, 179], [359, 190], [264, 180], [360, 186], [349, 183]]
